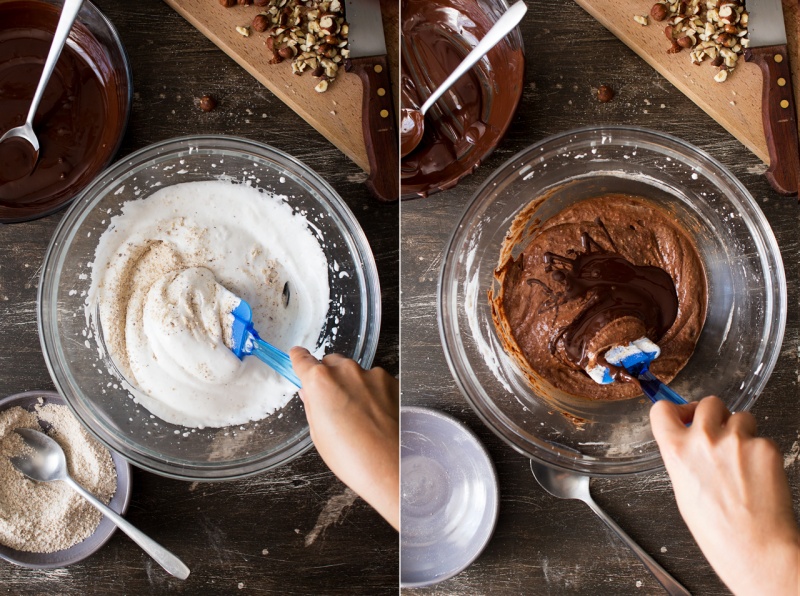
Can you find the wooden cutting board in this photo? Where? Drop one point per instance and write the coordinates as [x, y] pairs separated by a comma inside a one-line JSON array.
[[336, 114], [736, 103]]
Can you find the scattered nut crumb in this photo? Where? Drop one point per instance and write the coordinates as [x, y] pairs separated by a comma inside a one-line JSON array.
[[605, 93], [641, 19], [207, 103]]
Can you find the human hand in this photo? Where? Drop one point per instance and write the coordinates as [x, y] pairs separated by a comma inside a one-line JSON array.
[[733, 494], [354, 419]]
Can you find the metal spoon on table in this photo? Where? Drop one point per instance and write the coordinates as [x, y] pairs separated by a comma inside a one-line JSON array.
[[412, 121], [568, 485], [69, 13], [49, 463]]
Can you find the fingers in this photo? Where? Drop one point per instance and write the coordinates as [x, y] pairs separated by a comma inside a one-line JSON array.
[[334, 359], [667, 418], [743, 423], [711, 415], [302, 361]]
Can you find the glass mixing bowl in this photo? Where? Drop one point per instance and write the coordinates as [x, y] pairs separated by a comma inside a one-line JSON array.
[[95, 395], [746, 316]]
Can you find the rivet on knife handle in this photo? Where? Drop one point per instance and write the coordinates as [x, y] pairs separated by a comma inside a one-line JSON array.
[[379, 126], [780, 120]]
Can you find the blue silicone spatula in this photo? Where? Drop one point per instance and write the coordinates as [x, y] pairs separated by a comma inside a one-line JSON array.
[[246, 342], [636, 358]]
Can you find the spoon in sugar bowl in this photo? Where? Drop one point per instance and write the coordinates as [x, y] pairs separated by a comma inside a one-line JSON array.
[[412, 121], [24, 134], [48, 463]]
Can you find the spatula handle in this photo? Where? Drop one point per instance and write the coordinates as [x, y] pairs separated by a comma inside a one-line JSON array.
[[780, 120], [657, 390], [278, 360]]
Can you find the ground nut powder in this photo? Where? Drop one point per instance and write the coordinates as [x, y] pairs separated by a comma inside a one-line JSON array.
[[45, 517]]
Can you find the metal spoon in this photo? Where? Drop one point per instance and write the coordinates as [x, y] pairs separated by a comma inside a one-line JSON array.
[[49, 463], [412, 121], [568, 485], [68, 15]]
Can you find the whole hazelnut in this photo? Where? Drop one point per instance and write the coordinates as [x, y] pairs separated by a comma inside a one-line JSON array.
[[605, 94], [685, 41], [286, 52], [331, 40], [227, 3], [207, 103], [668, 32], [260, 23], [659, 12]]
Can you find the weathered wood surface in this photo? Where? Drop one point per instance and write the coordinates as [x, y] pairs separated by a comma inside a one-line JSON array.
[[266, 534], [543, 545]]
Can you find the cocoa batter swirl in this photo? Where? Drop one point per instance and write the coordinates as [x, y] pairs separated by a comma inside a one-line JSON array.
[[604, 271], [612, 288]]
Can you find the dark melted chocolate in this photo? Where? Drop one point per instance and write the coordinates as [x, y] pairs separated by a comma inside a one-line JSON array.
[[79, 121], [467, 122], [615, 288]]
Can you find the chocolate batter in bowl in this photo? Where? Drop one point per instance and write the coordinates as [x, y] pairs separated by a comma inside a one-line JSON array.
[[746, 292], [605, 271], [466, 124], [82, 118]]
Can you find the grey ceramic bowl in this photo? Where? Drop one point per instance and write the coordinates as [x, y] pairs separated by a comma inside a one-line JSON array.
[[119, 502], [449, 500]]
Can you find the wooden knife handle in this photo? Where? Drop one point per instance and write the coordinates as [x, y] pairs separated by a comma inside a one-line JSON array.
[[780, 120], [379, 126]]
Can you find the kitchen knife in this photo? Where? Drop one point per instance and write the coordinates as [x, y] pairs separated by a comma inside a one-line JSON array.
[[767, 35], [369, 61]]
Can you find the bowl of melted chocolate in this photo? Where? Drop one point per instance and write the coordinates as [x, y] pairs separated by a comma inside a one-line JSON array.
[[594, 238], [466, 124], [82, 117]]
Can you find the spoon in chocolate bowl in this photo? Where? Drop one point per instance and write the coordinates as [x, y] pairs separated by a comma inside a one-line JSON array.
[[47, 462], [19, 146], [570, 485], [412, 120]]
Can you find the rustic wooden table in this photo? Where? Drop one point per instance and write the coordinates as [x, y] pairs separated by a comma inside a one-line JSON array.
[[543, 545], [294, 530]]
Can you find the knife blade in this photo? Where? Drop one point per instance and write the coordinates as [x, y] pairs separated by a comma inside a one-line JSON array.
[[767, 48], [369, 61]]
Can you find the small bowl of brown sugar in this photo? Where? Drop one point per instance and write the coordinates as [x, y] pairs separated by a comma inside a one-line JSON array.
[[47, 524]]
